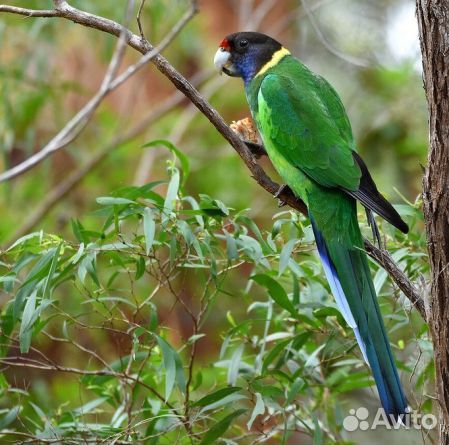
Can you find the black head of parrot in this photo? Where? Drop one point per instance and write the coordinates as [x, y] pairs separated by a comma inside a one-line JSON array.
[[243, 54]]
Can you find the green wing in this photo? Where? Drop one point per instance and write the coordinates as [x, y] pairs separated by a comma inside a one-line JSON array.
[[306, 121]]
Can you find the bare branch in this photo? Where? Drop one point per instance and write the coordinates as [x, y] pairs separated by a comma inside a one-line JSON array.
[[383, 258], [19, 361], [29, 12]]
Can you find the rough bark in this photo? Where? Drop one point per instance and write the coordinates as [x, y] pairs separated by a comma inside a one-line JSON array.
[[433, 20]]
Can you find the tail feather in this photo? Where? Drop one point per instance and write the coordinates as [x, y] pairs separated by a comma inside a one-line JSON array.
[[337, 291], [349, 277]]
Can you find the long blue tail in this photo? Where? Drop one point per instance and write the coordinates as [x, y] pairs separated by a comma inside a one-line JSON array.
[[349, 277]]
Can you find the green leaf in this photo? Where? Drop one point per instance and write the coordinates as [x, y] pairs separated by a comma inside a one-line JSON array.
[[231, 247], [10, 278], [183, 159], [259, 409], [253, 249], [169, 366], [297, 385], [170, 197], [216, 395], [329, 312], [180, 377], [9, 417], [317, 432], [115, 246], [23, 292], [221, 206], [231, 398], [351, 385], [149, 228], [39, 411], [153, 317], [26, 326], [54, 263], [274, 352], [79, 231], [87, 265], [220, 428], [276, 292], [312, 360], [381, 275], [296, 291], [111, 298], [194, 338], [285, 255], [25, 238], [174, 371], [197, 212], [140, 268], [41, 268], [78, 254], [271, 391], [89, 406], [234, 365], [110, 200]]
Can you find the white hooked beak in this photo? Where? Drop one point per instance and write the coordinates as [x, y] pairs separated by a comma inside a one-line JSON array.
[[222, 59]]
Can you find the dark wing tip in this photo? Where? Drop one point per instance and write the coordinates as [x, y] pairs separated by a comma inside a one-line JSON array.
[[396, 220], [403, 227], [370, 197]]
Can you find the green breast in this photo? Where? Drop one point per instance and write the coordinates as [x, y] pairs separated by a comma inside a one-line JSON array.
[[298, 181]]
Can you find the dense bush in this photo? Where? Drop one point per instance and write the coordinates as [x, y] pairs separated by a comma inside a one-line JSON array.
[[101, 310]]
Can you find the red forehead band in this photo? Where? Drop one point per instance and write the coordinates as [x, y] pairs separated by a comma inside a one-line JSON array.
[[225, 44]]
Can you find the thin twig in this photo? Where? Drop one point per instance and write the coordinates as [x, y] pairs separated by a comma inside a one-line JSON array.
[[20, 362], [346, 57], [139, 23], [29, 12]]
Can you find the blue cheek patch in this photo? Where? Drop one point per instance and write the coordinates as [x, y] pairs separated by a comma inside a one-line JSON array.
[[246, 65]]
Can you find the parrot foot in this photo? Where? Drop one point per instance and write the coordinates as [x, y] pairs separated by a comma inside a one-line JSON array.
[[257, 150], [278, 193], [372, 223]]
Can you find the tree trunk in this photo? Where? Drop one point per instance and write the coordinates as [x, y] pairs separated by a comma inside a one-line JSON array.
[[433, 20]]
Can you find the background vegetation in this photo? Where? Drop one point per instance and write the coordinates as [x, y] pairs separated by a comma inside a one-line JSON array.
[[165, 298]]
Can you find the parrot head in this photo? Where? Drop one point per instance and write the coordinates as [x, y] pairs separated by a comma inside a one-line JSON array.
[[243, 54]]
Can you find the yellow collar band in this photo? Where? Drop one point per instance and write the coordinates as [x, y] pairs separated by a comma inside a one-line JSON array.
[[275, 59]]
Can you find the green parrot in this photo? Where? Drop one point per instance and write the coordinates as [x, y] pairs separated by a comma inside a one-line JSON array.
[[309, 140]]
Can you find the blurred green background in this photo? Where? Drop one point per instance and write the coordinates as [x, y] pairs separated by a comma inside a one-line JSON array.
[[49, 68]]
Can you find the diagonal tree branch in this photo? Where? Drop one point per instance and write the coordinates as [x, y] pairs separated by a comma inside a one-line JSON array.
[[64, 10], [383, 258]]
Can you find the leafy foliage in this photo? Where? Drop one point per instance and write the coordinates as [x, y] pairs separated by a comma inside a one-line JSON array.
[[283, 368]]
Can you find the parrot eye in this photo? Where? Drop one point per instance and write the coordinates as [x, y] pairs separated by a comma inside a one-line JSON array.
[[243, 43]]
